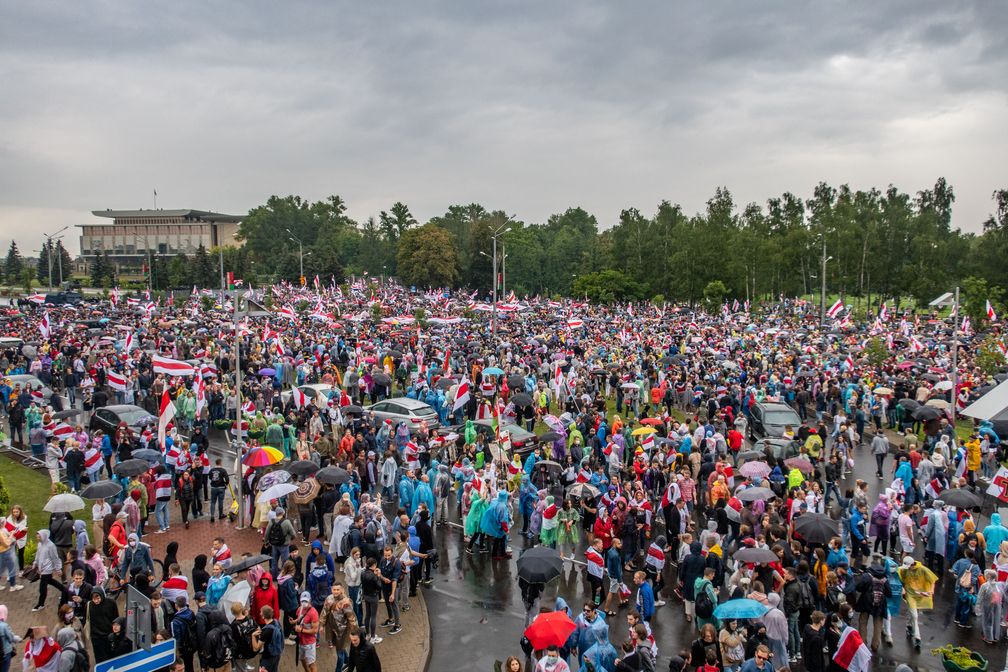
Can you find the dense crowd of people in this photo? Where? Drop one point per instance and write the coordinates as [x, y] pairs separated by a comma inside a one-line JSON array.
[[641, 471]]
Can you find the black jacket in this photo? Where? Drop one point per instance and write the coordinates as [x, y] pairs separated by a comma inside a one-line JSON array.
[[813, 649], [101, 616], [363, 658]]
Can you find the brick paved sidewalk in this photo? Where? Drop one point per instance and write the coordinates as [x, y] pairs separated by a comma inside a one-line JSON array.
[[408, 651]]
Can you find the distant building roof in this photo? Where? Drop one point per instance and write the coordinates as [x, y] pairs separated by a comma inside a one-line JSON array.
[[202, 215]]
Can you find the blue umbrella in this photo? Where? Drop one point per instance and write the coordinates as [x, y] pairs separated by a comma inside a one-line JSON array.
[[744, 608], [493, 371]]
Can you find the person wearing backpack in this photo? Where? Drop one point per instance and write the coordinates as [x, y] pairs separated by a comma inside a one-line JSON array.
[[245, 634], [272, 638], [218, 643], [73, 655], [183, 627], [872, 590], [706, 598], [279, 535]]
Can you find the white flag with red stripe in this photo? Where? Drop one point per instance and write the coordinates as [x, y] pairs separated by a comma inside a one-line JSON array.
[[575, 324], [835, 308], [199, 389], [991, 315], [165, 416], [172, 367], [299, 397], [44, 327], [852, 654], [461, 395], [116, 381]]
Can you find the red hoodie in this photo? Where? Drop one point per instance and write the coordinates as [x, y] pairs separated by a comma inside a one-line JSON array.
[[264, 596]]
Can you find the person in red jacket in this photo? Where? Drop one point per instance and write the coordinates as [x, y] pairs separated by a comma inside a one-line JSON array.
[[264, 594]]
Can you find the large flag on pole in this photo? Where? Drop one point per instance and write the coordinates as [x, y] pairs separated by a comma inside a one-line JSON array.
[[835, 309], [165, 416], [461, 395], [172, 367], [116, 381]]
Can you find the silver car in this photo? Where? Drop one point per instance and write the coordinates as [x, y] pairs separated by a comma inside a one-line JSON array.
[[36, 384], [403, 409]]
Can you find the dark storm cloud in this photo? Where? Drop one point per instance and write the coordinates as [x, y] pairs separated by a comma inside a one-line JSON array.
[[526, 106]]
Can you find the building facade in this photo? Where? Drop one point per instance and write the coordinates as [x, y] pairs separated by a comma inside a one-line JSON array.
[[131, 236]]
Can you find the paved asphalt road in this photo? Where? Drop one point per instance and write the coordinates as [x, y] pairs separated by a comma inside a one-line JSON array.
[[476, 609]]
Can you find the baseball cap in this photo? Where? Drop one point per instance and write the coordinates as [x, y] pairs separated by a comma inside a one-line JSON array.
[[306, 597]]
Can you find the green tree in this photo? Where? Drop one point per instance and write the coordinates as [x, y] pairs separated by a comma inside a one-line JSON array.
[[875, 351], [973, 297], [27, 278], [427, 257], [989, 357], [179, 272], [42, 267], [99, 270], [608, 286], [13, 264], [714, 293], [202, 269]]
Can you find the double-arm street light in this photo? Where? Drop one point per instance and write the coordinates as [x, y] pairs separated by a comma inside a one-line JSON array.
[[301, 255], [49, 238]]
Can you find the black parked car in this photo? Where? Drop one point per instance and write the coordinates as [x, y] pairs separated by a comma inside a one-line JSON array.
[[108, 418], [768, 420]]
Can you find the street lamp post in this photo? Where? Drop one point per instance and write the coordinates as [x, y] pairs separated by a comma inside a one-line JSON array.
[[49, 238], [493, 322], [300, 253]]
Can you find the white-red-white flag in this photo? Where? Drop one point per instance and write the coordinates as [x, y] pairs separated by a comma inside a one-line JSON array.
[[172, 367], [116, 381], [44, 327], [835, 308], [991, 315], [165, 416], [299, 397], [461, 395]]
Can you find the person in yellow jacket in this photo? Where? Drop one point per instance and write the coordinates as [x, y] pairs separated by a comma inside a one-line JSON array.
[[814, 446], [918, 591], [973, 458]]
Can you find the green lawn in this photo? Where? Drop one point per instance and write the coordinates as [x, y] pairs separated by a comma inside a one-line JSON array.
[[26, 487]]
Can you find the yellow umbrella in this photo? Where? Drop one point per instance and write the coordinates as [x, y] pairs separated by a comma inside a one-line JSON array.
[[883, 390], [641, 431]]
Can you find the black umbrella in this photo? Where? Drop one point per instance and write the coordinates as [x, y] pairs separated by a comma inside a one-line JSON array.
[[396, 354], [381, 379], [539, 564], [444, 383], [101, 490], [756, 494], [522, 400], [751, 455], [131, 467], [516, 381], [352, 409], [148, 455], [755, 555], [548, 465], [816, 528], [961, 498], [908, 405], [302, 468], [246, 564], [549, 437], [63, 415], [925, 413], [333, 476]]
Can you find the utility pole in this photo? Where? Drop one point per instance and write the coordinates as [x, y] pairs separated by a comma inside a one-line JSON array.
[[300, 254], [493, 321], [822, 295], [220, 254], [49, 238], [238, 414], [955, 357]]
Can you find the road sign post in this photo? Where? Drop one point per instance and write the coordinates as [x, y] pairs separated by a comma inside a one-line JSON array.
[[160, 655], [138, 619]]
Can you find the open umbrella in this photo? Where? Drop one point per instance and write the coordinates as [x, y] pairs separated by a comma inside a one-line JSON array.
[[755, 555], [237, 593], [262, 457], [246, 564], [961, 498], [351, 409], [267, 372], [69, 413], [751, 455], [628, 386], [307, 491], [493, 371], [522, 400], [274, 478], [908, 405], [101, 490], [381, 379], [302, 468], [550, 629], [516, 381], [148, 455], [64, 503], [938, 403], [741, 608], [801, 464], [276, 491], [583, 491], [755, 469], [925, 413], [883, 390], [943, 385], [132, 467], [549, 437], [444, 383], [653, 422], [816, 528], [333, 476], [641, 431], [755, 494], [548, 465], [539, 564]]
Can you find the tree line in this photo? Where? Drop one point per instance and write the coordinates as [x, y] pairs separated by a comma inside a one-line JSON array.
[[880, 245]]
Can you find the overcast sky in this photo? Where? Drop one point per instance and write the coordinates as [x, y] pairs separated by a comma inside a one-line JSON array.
[[530, 107]]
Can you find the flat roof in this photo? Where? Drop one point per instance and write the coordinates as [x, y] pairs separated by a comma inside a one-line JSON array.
[[203, 215]]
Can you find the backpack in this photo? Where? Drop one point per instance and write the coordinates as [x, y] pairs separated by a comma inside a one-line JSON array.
[[346, 545], [275, 534], [276, 643], [878, 592], [806, 601], [219, 646], [81, 663], [189, 641], [966, 580], [704, 605]]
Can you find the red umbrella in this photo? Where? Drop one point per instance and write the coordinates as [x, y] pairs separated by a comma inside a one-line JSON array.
[[550, 629], [654, 422]]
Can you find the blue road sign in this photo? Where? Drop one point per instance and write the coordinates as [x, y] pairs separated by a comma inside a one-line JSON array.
[[160, 655]]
